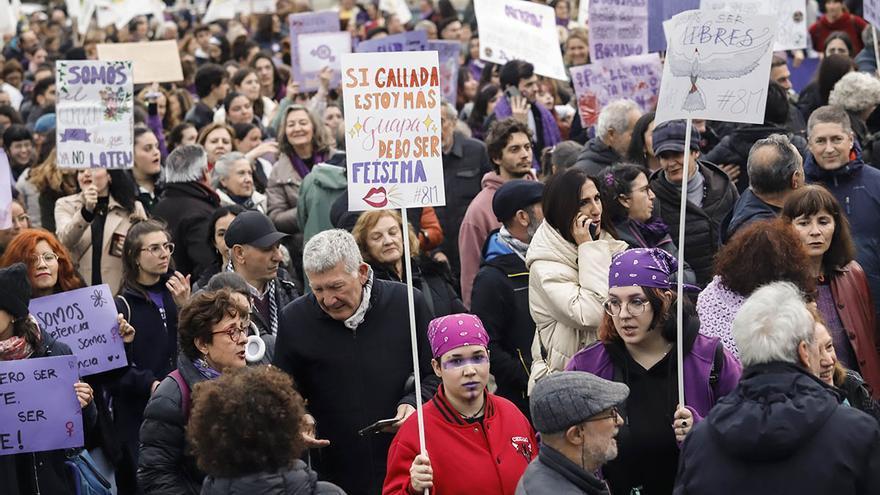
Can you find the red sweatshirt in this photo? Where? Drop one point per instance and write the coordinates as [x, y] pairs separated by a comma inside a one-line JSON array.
[[850, 24], [487, 458]]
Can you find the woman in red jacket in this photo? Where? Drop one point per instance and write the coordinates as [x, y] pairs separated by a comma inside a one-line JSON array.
[[476, 442]]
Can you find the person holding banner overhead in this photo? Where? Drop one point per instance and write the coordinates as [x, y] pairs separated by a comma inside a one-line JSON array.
[[637, 342], [476, 442], [21, 338]]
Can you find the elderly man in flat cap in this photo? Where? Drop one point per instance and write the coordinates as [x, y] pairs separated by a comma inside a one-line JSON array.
[[576, 415]]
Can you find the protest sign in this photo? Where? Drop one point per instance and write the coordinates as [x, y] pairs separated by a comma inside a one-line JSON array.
[[410, 41], [512, 29], [599, 83], [398, 8], [219, 10], [871, 11], [717, 67], [152, 61], [448, 52], [6, 186], [659, 11], [319, 50], [95, 114], [583, 12], [618, 28], [309, 23], [255, 7], [39, 410], [392, 138], [791, 32], [85, 320], [8, 18]]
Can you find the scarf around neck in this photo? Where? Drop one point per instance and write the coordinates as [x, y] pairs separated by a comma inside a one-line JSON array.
[[17, 347], [357, 318], [300, 166], [518, 247], [205, 369]]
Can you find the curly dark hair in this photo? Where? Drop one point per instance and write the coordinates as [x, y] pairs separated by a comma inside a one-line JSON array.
[[246, 421], [499, 135], [812, 199], [763, 252], [200, 314]]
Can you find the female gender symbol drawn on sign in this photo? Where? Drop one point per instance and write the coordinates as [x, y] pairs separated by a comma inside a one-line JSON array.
[[323, 52]]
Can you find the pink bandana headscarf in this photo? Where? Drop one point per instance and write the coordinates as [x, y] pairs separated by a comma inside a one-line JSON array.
[[453, 331]]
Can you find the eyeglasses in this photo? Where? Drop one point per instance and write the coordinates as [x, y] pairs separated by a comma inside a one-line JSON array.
[[634, 307], [613, 413], [45, 258], [156, 249], [235, 333]]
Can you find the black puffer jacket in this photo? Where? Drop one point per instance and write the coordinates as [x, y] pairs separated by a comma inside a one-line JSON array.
[[596, 156], [433, 279], [781, 430], [186, 208], [298, 480], [164, 466], [703, 224]]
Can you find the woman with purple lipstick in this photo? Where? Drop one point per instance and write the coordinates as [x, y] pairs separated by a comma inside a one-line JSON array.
[[476, 442]]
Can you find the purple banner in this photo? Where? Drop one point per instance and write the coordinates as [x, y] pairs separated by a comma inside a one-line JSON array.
[[618, 28], [85, 320], [39, 410], [307, 23], [448, 52], [410, 41], [599, 83]]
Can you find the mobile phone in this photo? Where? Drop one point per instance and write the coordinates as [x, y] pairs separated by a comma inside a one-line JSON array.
[[512, 91], [594, 231], [377, 426]]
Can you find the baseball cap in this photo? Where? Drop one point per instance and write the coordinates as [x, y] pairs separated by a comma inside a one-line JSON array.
[[252, 228]]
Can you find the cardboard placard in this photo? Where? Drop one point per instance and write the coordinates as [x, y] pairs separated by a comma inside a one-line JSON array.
[[152, 61]]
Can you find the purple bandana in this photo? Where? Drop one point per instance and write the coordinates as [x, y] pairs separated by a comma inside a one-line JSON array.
[[644, 268], [450, 332]]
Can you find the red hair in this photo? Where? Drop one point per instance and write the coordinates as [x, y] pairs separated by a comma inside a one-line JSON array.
[[24, 246]]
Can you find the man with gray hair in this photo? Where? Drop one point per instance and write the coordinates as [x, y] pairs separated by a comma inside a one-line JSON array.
[[613, 134], [775, 170], [781, 430], [347, 347], [577, 415], [186, 206]]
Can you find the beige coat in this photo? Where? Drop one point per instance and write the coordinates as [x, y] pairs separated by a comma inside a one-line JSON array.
[[76, 235], [567, 286], [283, 195]]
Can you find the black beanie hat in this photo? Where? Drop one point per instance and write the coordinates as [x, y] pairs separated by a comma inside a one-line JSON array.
[[15, 290]]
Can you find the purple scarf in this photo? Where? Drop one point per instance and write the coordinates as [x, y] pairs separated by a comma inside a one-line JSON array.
[[300, 166], [550, 130]]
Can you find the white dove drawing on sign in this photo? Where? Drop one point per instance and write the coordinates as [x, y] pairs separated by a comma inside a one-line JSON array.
[[728, 64]]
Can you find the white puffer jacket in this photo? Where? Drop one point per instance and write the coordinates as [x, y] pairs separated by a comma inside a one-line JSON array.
[[567, 286]]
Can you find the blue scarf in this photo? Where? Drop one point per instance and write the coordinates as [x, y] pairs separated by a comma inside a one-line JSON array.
[[205, 369]]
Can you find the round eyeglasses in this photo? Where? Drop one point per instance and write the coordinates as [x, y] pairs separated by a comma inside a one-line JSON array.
[[634, 307]]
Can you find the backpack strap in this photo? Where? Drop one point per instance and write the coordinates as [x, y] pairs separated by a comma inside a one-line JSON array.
[[717, 365], [185, 399]]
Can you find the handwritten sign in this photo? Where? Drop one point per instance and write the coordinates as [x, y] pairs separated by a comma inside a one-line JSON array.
[[410, 41], [94, 114], [392, 138], [599, 83], [660, 11], [717, 67], [5, 192], [791, 31], [219, 10], [152, 61], [320, 50], [39, 410], [85, 320], [871, 11], [448, 51], [512, 29], [309, 23], [618, 28], [583, 12]]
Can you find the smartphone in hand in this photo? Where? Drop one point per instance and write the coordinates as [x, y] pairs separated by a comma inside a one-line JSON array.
[[377, 426]]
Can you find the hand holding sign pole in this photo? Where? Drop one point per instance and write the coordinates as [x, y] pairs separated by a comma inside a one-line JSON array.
[[709, 54]]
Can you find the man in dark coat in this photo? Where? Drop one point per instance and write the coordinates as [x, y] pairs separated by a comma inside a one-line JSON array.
[[710, 196], [613, 135], [465, 162], [781, 430], [186, 206], [347, 346], [501, 288], [776, 169]]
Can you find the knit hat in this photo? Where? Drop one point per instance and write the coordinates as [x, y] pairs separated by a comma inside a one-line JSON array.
[[566, 398], [45, 123], [644, 268], [15, 290], [450, 332]]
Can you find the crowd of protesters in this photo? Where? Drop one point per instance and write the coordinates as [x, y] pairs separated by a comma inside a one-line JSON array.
[[266, 326]]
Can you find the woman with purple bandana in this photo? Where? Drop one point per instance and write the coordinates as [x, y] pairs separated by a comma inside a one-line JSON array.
[[637, 347], [476, 442]]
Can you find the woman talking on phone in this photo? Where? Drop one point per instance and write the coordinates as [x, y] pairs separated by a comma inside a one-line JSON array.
[[568, 261]]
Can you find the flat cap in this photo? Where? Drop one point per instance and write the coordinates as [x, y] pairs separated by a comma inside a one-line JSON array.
[[515, 195], [567, 398]]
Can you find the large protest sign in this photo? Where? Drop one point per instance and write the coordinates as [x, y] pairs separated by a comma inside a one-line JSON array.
[[410, 41], [717, 67], [392, 138], [513, 29], [448, 52], [309, 23], [791, 32], [85, 320], [152, 61], [871, 11], [94, 126], [219, 10], [618, 28], [599, 83], [39, 410], [660, 11], [318, 50]]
